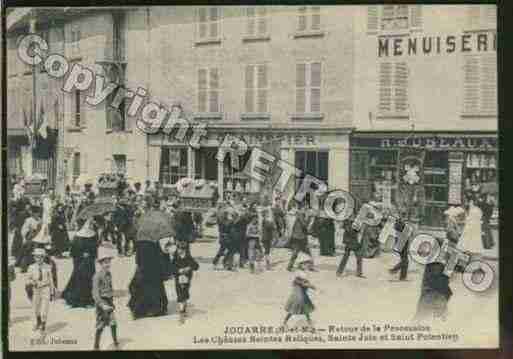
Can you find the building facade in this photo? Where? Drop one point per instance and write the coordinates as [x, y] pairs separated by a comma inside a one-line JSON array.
[[426, 78], [266, 74]]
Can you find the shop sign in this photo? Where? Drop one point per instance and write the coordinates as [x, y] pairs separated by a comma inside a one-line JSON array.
[[254, 139], [430, 142]]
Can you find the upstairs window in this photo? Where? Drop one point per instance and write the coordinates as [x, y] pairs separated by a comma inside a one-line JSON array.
[[256, 88], [208, 90], [309, 19], [480, 85], [308, 87], [209, 23], [393, 89], [257, 21]]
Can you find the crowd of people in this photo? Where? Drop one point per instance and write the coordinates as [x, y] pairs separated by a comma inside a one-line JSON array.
[[160, 233]]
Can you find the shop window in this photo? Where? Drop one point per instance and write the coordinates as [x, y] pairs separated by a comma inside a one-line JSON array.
[[480, 168], [234, 178], [313, 163], [436, 168], [173, 164], [120, 164], [257, 88], [205, 164], [257, 21]]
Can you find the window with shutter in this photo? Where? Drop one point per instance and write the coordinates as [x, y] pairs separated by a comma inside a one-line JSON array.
[[308, 87], [393, 89], [76, 164], [257, 86], [83, 162], [416, 16], [372, 18], [78, 120], [208, 24], [256, 21], [309, 18], [208, 90], [481, 17], [395, 17], [480, 85]]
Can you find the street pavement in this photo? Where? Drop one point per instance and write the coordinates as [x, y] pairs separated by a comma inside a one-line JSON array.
[[220, 298]]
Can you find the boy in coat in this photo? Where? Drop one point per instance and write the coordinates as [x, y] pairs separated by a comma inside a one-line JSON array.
[[103, 297], [352, 244], [40, 279], [182, 268]]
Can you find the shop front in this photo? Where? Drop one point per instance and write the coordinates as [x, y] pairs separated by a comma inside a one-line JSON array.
[[321, 153], [451, 166]]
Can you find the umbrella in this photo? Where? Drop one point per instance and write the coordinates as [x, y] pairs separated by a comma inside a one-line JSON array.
[[94, 209], [489, 187], [155, 225]]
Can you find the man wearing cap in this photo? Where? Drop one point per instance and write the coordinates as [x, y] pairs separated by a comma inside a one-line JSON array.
[[39, 277], [103, 296]]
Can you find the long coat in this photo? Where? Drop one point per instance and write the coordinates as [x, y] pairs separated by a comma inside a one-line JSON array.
[[350, 238], [183, 281], [78, 291], [59, 232], [324, 229], [147, 293]]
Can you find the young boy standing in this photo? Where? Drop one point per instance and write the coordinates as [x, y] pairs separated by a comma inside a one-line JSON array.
[[103, 297], [39, 277]]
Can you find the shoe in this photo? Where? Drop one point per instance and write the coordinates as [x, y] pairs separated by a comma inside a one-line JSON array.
[[361, 276]]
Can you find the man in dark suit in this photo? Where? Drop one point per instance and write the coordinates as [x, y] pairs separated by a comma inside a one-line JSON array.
[[299, 238], [352, 244]]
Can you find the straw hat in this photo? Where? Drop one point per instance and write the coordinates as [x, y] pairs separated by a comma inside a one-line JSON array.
[[86, 230], [39, 252]]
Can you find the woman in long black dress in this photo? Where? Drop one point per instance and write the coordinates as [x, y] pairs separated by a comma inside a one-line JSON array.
[[147, 293], [59, 231], [324, 228], [182, 268], [78, 291]]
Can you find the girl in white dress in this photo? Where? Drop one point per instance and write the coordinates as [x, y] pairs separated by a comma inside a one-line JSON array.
[[471, 237]]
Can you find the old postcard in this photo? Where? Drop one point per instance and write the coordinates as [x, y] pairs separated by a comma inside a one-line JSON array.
[[252, 177]]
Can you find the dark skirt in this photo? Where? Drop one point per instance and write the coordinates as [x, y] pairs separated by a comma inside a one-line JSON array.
[[17, 244], [79, 290], [147, 296], [60, 241]]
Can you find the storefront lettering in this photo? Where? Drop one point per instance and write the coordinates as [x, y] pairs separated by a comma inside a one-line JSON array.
[[441, 142]]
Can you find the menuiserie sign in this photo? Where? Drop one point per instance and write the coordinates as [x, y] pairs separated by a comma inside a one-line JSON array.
[[426, 45]]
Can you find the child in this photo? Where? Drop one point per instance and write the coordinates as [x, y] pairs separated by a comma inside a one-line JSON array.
[[53, 266], [182, 267], [299, 303], [103, 296], [253, 235], [40, 279]]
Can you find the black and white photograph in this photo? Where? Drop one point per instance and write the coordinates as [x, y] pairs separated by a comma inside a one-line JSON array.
[[252, 177]]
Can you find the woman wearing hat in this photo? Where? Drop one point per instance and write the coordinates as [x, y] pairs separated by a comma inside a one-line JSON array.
[[78, 291], [59, 231], [182, 268]]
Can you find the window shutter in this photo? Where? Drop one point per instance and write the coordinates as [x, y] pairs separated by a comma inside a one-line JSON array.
[[262, 20], [202, 15], [316, 18], [401, 87], [202, 90], [250, 12], [109, 166], [77, 167], [416, 16], [471, 89], [262, 88], [214, 22], [315, 84], [83, 163], [249, 74], [488, 84], [214, 90], [300, 88], [385, 87], [372, 18], [301, 25]]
